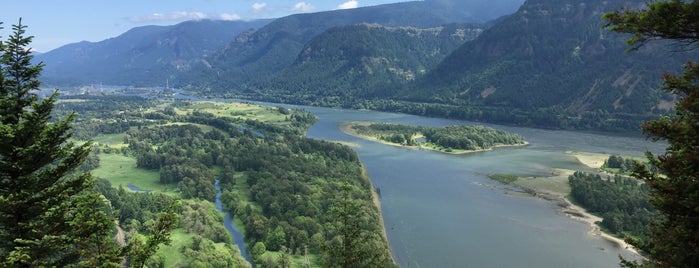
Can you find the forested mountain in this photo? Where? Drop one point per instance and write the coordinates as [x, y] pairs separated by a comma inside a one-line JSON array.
[[363, 61], [551, 64], [142, 56], [553, 57], [256, 55]]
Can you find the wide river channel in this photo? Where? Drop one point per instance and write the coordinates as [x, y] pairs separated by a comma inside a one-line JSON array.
[[441, 211]]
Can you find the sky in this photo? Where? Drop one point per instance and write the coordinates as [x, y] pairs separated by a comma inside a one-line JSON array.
[[54, 23]]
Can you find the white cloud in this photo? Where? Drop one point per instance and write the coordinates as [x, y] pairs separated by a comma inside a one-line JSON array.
[[303, 7], [182, 16], [349, 4], [229, 16], [257, 7]]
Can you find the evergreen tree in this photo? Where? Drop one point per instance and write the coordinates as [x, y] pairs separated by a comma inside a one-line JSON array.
[[353, 247], [47, 216], [675, 191]]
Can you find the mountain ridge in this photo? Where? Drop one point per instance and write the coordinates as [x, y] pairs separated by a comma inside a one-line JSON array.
[[144, 55], [263, 53], [363, 61], [554, 57]]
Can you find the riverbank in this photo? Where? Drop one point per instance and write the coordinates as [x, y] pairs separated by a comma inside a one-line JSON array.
[[556, 188], [578, 213], [376, 199], [346, 127]]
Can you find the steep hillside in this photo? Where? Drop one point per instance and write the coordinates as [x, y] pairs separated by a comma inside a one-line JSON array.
[[363, 61], [254, 56], [553, 57], [142, 56]]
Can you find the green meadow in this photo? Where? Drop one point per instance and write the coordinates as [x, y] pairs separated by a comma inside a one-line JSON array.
[[121, 170]]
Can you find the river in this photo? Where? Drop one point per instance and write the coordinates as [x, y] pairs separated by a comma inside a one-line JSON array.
[[441, 211], [228, 222]]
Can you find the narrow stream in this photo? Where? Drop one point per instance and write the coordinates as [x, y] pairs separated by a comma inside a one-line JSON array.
[[237, 235]]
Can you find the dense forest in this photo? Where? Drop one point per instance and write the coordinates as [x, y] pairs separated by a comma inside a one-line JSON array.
[[621, 201], [363, 61], [286, 191], [447, 139]]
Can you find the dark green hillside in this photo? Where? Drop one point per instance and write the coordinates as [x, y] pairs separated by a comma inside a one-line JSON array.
[[364, 61], [254, 56], [553, 57], [142, 56]]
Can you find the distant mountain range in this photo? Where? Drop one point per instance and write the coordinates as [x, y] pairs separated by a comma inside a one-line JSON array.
[[235, 52], [258, 55], [142, 56], [547, 64]]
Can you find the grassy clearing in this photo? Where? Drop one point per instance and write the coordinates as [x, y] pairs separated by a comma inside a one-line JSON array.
[[236, 110], [296, 260], [558, 183], [172, 253], [204, 128], [121, 170], [242, 189], [115, 141]]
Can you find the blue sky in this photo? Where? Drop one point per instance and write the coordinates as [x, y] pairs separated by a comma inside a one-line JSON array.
[[54, 23]]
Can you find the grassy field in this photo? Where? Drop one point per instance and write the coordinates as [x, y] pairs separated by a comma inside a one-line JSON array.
[[121, 170], [235, 110], [171, 253], [115, 141]]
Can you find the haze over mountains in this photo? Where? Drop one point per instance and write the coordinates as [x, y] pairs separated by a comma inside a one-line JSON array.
[[145, 56], [550, 64], [141, 56]]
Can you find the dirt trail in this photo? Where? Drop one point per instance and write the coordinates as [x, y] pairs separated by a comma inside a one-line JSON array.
[[120, 237]]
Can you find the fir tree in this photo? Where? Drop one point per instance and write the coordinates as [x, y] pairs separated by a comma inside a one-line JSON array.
[[353, 247], [675, 189], [48, 217]]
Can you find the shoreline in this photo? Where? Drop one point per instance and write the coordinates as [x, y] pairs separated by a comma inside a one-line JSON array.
[[346, 128], [595, 161], [580, 214], [556, 190], [376, 199]]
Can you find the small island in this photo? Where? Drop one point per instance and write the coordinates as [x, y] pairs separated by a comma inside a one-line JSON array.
[[449, 139]]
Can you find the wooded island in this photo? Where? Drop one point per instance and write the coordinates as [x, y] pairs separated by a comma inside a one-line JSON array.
[[449, 139]]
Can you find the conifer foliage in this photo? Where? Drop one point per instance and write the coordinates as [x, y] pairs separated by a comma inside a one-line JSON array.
[[675, 190], [48, 215]]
